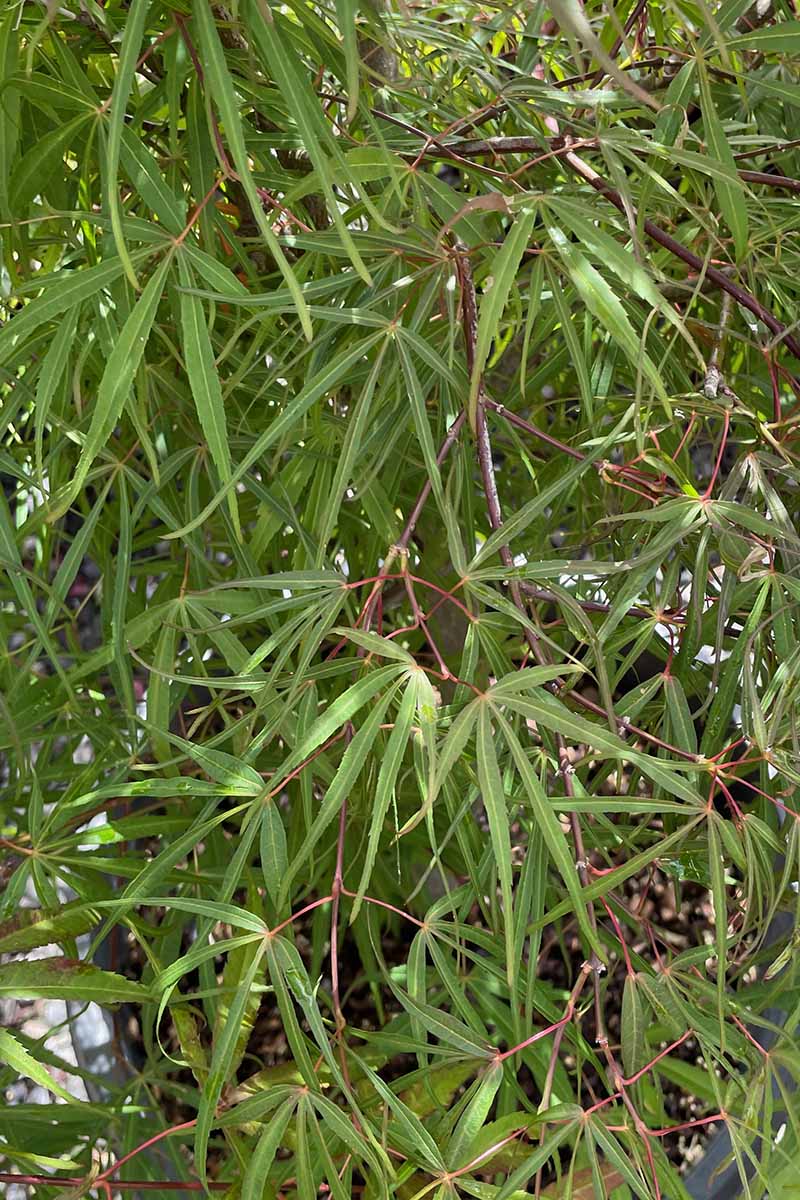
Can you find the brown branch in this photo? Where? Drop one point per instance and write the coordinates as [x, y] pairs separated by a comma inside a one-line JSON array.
[[494, 147], [714, 380]]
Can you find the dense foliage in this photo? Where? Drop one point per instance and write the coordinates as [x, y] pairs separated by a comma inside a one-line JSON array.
[[399, 414]]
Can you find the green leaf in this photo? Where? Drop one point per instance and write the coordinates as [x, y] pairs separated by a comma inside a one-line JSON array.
[[126, 68], [504, 273], [32, 927], [117, 379], [783, 36], [220, 86], [58, 294], [534, 1161], [548, 827], [385, 788], [374, 644], [36, 168], [237, 777], [491, 785], [23, 1062], [406, 1117], [338, 713], [354, 437], [460, 1147], [632, 1024], [272, 844], [371, 1151], [610, 1148], [443, 1026], [525, 516], [606, 305], [619, 260], [67, 979], [264, 1154], [729, 189], [276, 957], [346, 14], [205, 385], [308, 395], [552, 714], [222, 1060], [278, 53], [418, 408], [9, 104], [53, 369], [339, 789], [717, 870], [681, 726]]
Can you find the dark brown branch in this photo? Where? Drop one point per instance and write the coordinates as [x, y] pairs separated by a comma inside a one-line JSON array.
[[766, 177]]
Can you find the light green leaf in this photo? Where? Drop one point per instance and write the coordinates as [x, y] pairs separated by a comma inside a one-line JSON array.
[[460, 1147], [632, 1024], [14, 1054], [374, 644]]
